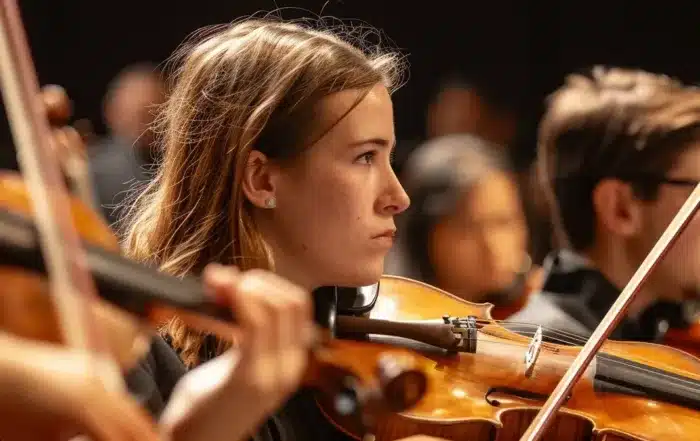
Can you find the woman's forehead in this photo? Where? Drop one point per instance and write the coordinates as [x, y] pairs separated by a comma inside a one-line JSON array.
[[357, 115]]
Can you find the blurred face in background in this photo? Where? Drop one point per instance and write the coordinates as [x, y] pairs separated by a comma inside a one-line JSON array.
[[480, 247], [462, 109], [131, 105]]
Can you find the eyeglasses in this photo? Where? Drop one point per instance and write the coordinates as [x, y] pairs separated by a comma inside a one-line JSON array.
[[654, 179], [683, 182], [639, 178]]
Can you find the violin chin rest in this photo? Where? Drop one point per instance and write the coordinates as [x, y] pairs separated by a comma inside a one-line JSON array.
[[357, 301]]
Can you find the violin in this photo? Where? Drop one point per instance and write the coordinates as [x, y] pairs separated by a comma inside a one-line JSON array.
[[31, 316], [488, 384]]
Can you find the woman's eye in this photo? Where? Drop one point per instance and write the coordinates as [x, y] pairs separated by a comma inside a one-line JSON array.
[[367, 158]]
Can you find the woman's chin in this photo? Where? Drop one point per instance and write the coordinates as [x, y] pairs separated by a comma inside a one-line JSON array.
[[361, 277]]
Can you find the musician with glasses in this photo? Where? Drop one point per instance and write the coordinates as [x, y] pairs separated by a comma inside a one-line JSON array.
[[618, 155]]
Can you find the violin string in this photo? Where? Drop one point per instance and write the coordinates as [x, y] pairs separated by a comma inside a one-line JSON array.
[[570, 338], [623, 362], [573, 338], [527, 333], [565, 360], [580, 340], [689, 384]]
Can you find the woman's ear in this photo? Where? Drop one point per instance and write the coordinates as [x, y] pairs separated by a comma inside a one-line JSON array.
[[258, 180], [616, 208]]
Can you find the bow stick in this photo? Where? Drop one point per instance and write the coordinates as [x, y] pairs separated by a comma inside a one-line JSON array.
[[72, 286]]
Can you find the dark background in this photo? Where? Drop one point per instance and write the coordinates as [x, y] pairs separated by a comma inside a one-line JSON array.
[[516, 50]]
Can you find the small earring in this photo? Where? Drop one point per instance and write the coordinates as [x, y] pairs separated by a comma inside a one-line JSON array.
[[270, 203]]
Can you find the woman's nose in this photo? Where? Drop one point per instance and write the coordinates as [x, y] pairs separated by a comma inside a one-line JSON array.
[[397, 200]]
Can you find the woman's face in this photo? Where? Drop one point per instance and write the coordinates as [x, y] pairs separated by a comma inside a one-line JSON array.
[[334, 219], [479, 248]]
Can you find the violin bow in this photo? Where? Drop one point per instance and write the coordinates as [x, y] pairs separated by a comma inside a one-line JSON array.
[[72, 286], [544, 417]]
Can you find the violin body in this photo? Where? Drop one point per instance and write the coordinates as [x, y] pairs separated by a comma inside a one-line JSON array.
[[31, 315], [486, 395]]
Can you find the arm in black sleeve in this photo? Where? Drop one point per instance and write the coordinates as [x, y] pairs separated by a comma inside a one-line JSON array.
[[154, 378]]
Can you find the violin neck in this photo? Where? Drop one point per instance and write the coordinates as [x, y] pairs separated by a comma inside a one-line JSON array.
[[123, 282]]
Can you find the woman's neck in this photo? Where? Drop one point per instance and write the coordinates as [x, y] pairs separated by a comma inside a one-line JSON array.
[[295, 275], [282, 264]]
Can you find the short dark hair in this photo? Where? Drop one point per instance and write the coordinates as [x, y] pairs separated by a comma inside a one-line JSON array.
[[611, 123]]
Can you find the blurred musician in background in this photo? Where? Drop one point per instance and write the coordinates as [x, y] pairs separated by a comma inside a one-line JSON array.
[[619, 153], [125, 159], [465, 231]]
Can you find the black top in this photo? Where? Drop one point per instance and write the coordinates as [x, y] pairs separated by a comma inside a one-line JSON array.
[[575, 290], [153, 380], [298, 420]]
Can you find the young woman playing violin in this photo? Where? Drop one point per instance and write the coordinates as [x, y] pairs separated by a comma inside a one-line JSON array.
[[619, 154], [276, 144], [212, 406]]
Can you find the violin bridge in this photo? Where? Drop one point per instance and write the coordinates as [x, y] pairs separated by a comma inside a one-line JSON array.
[[465, 332], [533, 351]]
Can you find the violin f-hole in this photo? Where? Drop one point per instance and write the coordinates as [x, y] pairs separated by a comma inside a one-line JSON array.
[[516, 393]]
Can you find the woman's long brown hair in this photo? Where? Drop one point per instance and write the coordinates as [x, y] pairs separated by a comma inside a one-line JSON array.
[[249, 85]]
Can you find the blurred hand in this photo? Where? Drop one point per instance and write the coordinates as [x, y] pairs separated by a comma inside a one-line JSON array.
[[229, 397], [51, 393]]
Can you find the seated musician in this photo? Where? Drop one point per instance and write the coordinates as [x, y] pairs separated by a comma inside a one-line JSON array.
[[277, 144], [465, 231], [619, 153]]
